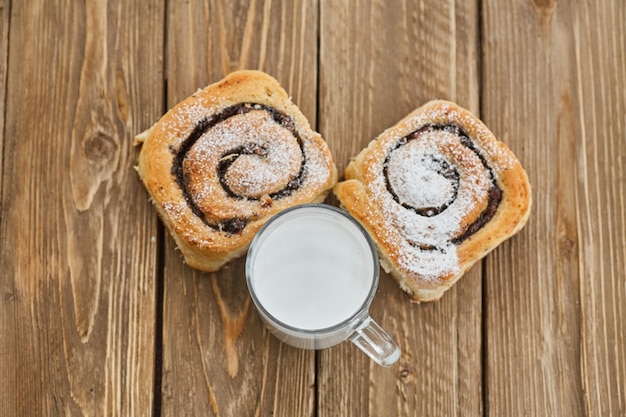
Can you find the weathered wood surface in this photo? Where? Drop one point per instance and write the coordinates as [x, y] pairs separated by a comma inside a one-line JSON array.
[[100, 316], [4, 43], [77, 235], [554, 89], [378, 63], [217, 357]]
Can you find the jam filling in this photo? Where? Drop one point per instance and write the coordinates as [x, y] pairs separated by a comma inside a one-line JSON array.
[[444, 169], [237, 224]]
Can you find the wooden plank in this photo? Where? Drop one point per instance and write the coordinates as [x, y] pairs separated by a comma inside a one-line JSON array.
[[77, 249], [554, 92], [4, 43], [217, 357], [600, 126], [377, 64]]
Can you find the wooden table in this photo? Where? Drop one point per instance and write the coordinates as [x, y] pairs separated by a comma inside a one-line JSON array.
[[99, 316]]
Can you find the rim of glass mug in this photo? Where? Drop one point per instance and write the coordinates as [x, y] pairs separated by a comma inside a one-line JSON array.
[[358, 314]]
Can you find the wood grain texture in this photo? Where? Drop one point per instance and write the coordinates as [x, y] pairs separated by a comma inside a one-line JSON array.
[[538, 329], [4, 43], [555, 329], [377, 63], [217, 357], [77, 310]]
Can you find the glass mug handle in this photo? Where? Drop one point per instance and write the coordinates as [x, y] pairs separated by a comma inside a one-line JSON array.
[[375, 342]]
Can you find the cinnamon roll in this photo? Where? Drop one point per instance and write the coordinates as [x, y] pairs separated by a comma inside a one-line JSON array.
[[437, 192], [223, 161]]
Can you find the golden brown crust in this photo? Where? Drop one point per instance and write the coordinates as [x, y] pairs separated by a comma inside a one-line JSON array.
[[223, 161], [424, 188]]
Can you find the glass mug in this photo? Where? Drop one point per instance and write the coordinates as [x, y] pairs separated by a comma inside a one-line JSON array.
[[312, 272]]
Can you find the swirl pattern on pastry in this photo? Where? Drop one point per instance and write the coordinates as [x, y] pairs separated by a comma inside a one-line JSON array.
[[437, 192], [223, 161]]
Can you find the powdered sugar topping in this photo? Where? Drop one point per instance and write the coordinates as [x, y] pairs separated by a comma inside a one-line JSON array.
[[432, 184], [238, 166], [263, 156]]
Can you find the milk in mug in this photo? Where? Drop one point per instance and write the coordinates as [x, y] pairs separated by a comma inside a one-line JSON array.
[[312, 270]]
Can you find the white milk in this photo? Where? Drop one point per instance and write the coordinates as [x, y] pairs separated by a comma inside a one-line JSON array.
[[313, 270]]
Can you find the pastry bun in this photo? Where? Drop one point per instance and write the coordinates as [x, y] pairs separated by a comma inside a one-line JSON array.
[[437, 192], [223, 161]]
